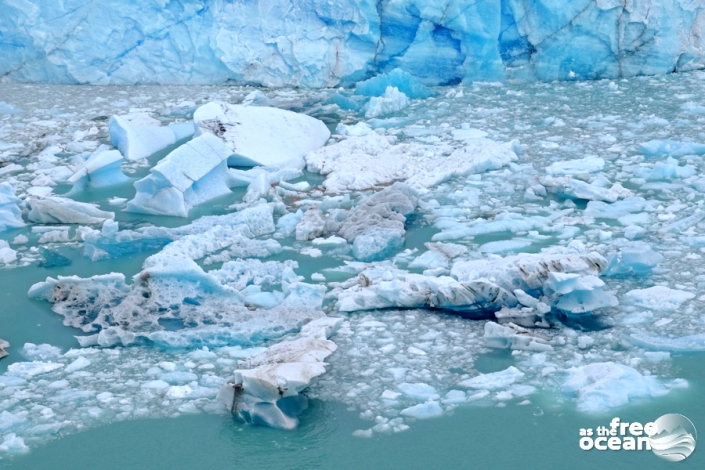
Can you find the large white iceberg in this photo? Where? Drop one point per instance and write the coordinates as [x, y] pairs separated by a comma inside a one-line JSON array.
[[262, 135]]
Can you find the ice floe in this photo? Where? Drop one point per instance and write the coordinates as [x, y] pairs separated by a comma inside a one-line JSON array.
[[262, 135]]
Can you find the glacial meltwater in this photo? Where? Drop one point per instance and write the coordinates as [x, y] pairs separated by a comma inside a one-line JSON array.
[[459, 277]]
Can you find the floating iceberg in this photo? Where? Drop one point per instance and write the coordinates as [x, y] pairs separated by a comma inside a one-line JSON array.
[[61, 210], [110, 242], [10, 213], [658, 298], [390, 102], [376, 227], [600, 386], [236, 304], [576, 167], [140, 136], [190, 175], [568, 187], [102, 169], [265, 389], [262, 135], [365, 162], [513, 337], [671, 148], [7, 254], [494, 380]]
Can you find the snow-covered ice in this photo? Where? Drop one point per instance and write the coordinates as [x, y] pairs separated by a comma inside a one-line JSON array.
[[262, 135]]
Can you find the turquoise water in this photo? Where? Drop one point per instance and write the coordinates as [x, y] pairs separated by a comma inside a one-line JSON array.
[[471, 438], [540, 434]]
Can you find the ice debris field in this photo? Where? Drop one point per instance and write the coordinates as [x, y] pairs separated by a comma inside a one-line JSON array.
[[367, 246]]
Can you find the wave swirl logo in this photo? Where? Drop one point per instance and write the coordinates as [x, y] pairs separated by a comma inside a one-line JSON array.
[[674, 438]]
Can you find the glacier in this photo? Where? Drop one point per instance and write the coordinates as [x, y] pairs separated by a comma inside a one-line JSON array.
[[312, 43]]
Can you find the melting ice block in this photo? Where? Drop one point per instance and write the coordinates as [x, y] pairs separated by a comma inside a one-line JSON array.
[[376, 226], [364, 162], [600, 386], [10, 213], [265, 388], [671, 148], [494, 380], [511, 336], [192, 174], [261, 135], [7, 254], [100, 170], [140, 136], [61, 210], [576, 167], [386, 287], [658, 298], [390, 102], [576, 189], [217, 307]]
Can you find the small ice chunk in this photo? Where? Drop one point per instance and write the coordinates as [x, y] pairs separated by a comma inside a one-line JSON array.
[[430, 409], [494, 380], [418, 391], [576, 167], [78, 364]]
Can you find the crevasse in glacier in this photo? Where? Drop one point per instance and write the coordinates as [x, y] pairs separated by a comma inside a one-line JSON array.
[[315, 43]]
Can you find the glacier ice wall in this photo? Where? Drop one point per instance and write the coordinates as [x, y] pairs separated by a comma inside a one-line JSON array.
[[317, 43]]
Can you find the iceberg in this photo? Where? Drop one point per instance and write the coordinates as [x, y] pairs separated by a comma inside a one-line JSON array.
[[658, 298], [265, 389], [10, 213], [111, 242], [671, 148], [376, 227], [190, 175], [261, 135], [174, 302], [140, 136], [372, 161], [494, 380], [390, 102], [102, 169], [61, 210], [600, 386], [7, 254], [511, 336]]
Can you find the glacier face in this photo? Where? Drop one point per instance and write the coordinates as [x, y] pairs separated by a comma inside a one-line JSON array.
[[315, 43]]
